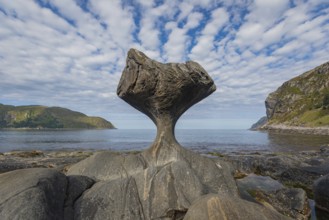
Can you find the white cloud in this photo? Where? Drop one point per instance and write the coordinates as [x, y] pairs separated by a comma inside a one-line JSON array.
[[73, 56], [205, 43], [178, 40]]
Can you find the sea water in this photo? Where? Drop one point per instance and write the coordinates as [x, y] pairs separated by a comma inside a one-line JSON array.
[[127, 140]]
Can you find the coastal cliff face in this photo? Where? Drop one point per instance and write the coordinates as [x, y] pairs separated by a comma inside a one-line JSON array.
[[48, 117], [302, 101]]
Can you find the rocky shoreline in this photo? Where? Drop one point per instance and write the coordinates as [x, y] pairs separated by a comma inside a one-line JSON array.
[[282, 174], [280, 128], [165, 181]]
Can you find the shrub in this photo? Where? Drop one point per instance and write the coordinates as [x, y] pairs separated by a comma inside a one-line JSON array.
[[326, 101]]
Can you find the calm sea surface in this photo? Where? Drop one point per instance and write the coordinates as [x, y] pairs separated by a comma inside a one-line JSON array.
[[123, 140]]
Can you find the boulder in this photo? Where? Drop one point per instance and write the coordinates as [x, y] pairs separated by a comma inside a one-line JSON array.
[[226, 207], [117, 199], [291, 202], [36, 193], [164, 191], [298, 170], [321, 193]]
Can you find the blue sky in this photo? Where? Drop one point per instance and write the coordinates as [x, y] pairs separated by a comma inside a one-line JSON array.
[[71, 53]]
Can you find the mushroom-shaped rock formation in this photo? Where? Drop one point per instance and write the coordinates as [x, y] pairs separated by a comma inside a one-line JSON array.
[[165, 181], [163, 92]]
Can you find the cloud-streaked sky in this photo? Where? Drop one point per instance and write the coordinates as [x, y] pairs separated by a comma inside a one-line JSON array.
[[71, 53]]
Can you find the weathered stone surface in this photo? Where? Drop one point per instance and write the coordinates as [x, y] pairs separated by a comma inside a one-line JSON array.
[[321, 193], [117, 199], [108, 166], [32, 194], [160, 90], [76, 186], [163, 92], [291, 202], [224, 207], [164, 191]]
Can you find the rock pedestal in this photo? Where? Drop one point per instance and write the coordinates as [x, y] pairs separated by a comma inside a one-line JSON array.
[[163, 92], [166, 181]]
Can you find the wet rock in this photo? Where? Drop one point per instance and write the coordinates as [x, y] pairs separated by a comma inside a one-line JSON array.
[[10, 164], [291, 202], [321, 193], [14, 160], [325, 150], [298, 170], [35, 193], [251, 184], [269, 192], [25, 154]]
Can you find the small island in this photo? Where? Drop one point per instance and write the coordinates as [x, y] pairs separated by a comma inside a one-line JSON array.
[[43, 117]]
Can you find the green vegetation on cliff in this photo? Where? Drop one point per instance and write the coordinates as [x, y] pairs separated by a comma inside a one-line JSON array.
[[301, 101], [48, 117]]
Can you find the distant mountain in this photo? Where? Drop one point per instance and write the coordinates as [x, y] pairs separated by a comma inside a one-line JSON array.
[[302, 102], [40, 117], [260, 123]]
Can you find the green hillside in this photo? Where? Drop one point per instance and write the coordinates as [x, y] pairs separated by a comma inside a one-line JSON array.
[[48, 117], [302, 101]]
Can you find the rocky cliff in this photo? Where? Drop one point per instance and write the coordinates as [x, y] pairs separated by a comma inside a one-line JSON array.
[[301, 102], [48, 117]]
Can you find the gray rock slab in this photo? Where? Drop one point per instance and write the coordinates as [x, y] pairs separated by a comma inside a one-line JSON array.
[[114, 199], [34, 194], [108, 166], [164, 191], [224, 207]]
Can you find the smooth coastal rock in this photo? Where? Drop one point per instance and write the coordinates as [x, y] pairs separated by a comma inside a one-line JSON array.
[[32, 194], [76, 186], [161, 191], [224, 207]]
